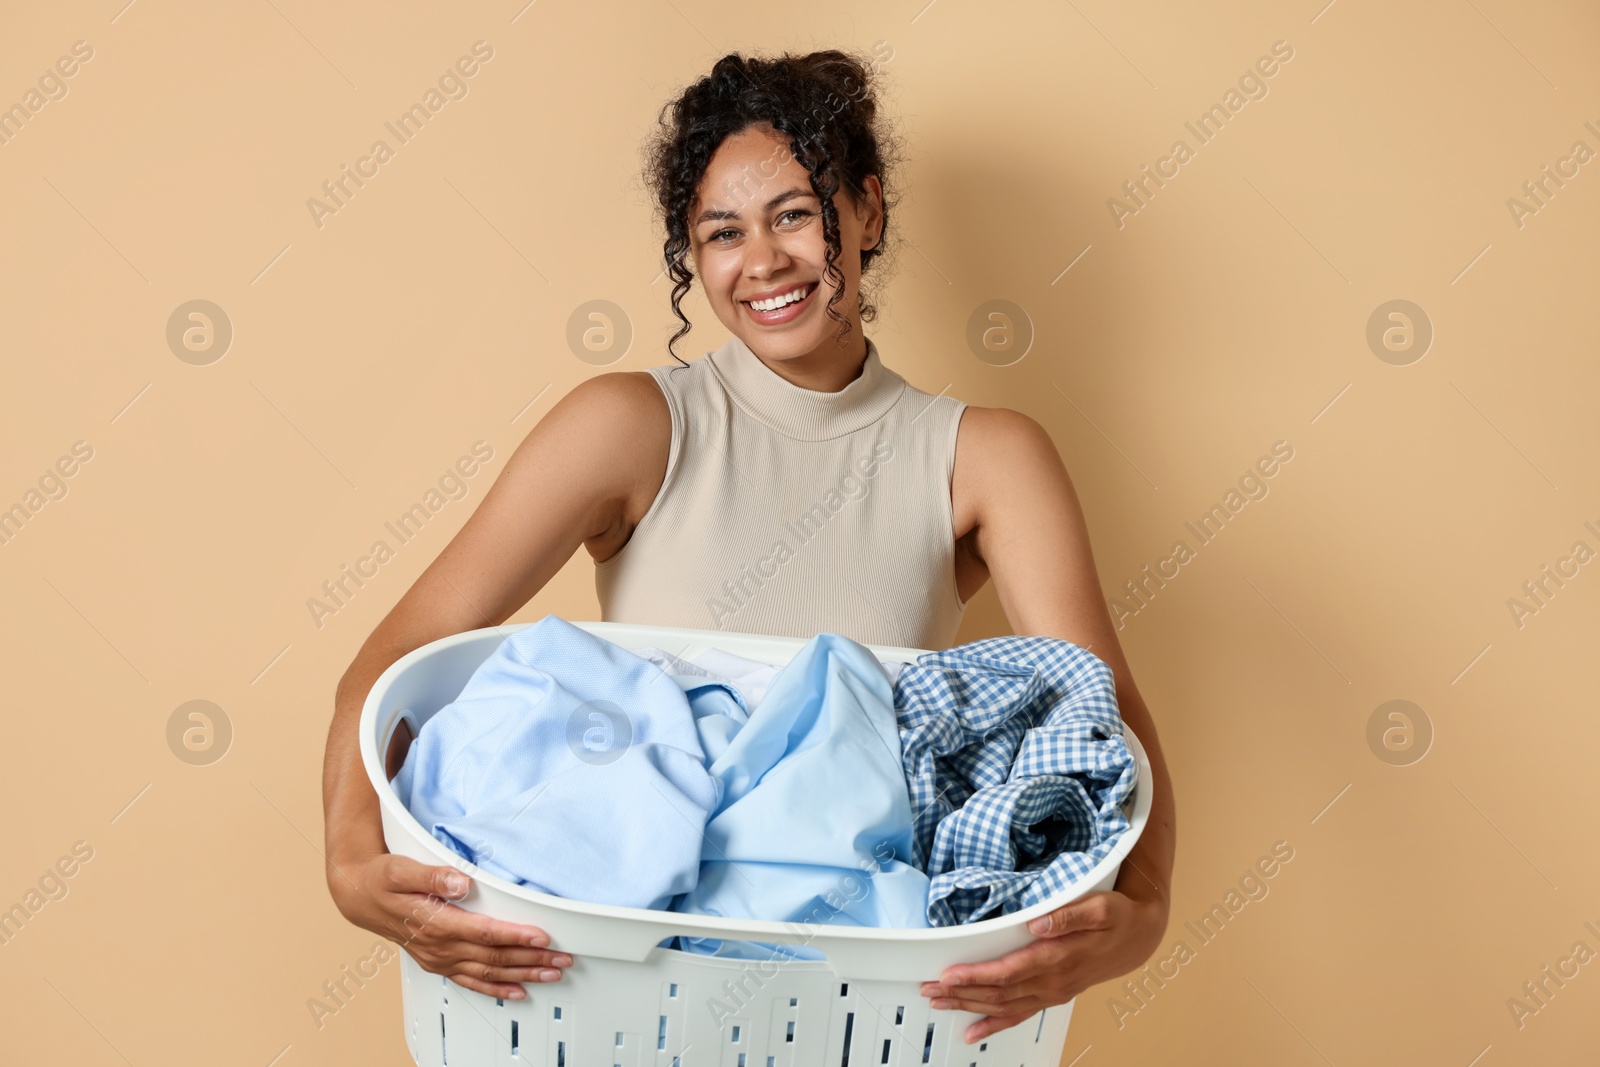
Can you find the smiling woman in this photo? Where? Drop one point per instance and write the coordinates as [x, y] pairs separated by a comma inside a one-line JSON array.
[[779, 214], [714, 495], [794, 140]]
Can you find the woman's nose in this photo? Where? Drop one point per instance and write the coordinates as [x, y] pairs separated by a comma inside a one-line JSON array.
[[764, 256]]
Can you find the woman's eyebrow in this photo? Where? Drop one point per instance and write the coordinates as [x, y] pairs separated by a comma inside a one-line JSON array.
[[719, 214]]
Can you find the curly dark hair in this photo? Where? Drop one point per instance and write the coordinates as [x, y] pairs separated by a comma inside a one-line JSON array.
[[826, 104]]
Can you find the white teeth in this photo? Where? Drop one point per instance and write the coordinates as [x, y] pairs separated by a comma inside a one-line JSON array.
[[779, 301]]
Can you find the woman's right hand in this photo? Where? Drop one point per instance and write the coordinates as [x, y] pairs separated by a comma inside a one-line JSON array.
[[408, 902], [589, 469]]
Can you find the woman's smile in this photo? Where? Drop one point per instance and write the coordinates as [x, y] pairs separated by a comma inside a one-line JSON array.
[[780, 305]]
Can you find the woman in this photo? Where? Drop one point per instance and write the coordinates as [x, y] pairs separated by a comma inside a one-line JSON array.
[[789, 483]]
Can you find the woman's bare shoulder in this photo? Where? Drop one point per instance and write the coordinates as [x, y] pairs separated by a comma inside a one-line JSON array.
[[626, 392], [993, 447], [613, 431], [994, 433], [621, 406], [991, 440]]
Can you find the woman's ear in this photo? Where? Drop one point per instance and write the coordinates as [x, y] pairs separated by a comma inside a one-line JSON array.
[[870, 209]]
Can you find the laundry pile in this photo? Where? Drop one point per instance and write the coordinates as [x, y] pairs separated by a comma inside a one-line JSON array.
[[837, 788]]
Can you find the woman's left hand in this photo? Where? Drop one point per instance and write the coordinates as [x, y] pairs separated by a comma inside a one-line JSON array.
[[1098, 936]]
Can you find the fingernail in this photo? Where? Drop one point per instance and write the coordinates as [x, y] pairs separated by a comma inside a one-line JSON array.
[[1040, 925], [455, 884], [561, 961], [549, 974], [538, 940], [517, 994]]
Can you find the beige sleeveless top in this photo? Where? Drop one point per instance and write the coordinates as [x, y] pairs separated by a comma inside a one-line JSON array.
[[792, 511]]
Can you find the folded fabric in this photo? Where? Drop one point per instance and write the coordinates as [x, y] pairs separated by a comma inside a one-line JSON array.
[[572, 766], [814, 820], [1017, 771]]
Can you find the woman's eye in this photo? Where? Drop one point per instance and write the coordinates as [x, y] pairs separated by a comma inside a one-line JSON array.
[[721, 234]]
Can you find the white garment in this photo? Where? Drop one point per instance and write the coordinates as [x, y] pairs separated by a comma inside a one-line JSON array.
[[751, 677]]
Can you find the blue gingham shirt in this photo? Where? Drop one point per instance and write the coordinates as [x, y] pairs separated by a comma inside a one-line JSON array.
[[1017, 769]]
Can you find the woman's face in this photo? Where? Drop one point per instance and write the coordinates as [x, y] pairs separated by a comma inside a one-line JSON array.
[[755, 230]]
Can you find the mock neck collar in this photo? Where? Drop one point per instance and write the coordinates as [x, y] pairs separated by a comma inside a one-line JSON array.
[[805, 414]]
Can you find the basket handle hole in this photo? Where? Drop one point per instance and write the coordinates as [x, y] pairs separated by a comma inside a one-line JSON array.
[[399, 744]]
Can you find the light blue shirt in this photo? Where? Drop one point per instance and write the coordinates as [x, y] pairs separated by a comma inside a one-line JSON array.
[[814, 823], [570, 765], [575, 767]]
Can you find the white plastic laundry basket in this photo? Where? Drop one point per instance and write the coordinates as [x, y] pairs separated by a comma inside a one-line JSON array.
[[624, 1002]]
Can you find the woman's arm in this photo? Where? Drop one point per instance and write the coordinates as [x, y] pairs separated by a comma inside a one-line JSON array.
[[1031, 536], [583, 474]]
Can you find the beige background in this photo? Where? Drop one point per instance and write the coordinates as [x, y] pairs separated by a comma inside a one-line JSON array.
[[1229, 313]]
